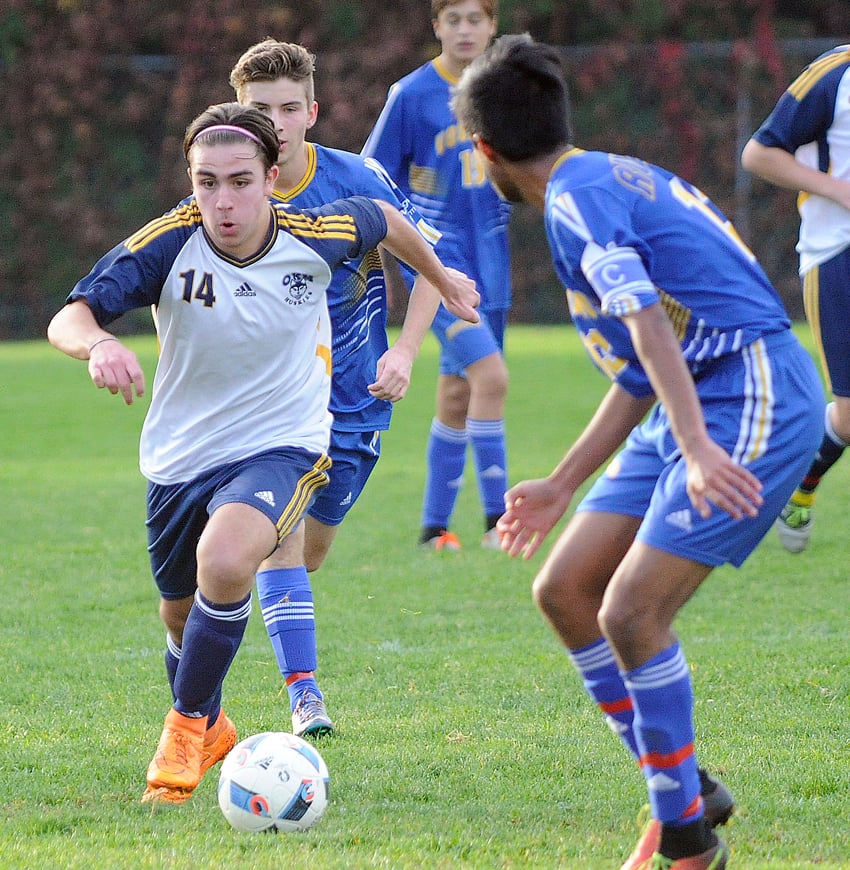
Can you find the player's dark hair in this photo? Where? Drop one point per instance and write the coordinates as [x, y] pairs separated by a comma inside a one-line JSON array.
[[231, 122], [270, 60], [514, 96]]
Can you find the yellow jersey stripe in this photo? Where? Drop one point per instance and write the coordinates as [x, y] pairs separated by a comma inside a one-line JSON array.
[[816, 71], [184, 215]]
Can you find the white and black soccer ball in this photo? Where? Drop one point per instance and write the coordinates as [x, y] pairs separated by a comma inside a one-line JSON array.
[[273, 781]]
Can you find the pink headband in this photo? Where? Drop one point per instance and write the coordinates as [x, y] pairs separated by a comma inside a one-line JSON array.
[[231, 128]]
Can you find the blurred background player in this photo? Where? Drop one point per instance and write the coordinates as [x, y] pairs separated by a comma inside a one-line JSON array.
[[234, 443], [277, 78], [804, 145], [717, 402], [418, 141]]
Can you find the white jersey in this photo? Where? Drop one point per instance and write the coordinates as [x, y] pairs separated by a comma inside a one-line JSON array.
[[812, 121], [245, 359]]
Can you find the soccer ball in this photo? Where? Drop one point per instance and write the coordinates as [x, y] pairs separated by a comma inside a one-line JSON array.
[[273, 782]]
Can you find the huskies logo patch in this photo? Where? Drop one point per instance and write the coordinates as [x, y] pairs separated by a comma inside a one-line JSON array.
[[297, 287]]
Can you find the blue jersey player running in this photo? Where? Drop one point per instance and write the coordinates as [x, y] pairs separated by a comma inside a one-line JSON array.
[[718, 404], [419, 142], [277, 79], [234, 444], [804, 145]]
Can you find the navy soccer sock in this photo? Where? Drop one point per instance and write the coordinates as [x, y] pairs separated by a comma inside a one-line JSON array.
[[210, 640]]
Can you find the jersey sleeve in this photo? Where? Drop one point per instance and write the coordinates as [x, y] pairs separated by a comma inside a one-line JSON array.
[[341, 230], [387, 141], [805, 110], [131, 275], [593, 237]]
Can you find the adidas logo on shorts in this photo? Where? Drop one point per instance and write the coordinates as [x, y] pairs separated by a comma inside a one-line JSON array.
[[680, 519]]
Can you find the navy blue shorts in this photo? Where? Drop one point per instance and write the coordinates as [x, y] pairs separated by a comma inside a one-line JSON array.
[[826, 298], [765, 407], [281, 483], [354, 456], [462, 343]]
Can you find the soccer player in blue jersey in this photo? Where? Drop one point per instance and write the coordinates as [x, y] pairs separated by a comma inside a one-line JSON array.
[[718, 404], [234, 444], [277, 79], [804, 145], [419, 142]]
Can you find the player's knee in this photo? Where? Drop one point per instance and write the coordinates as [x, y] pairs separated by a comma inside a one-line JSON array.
[[625, 626], [548, 594], [173, 613], [313, 559]]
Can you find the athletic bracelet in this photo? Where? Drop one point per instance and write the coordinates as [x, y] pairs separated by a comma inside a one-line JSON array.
[[100, 341]]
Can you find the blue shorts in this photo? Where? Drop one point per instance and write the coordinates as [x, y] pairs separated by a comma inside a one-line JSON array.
[[354, 456], [826, 298], [765, 407], [462, 343], [281, 483]]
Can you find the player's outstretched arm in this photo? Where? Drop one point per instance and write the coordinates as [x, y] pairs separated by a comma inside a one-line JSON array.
[[713, 476], [396, 365], [533, 507], [403, 240], [74, 331]]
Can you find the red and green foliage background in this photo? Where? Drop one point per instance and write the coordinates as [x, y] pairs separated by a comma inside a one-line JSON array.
[[96, 95]]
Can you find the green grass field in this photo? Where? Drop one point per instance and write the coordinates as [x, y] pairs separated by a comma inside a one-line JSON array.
[[464, 737]]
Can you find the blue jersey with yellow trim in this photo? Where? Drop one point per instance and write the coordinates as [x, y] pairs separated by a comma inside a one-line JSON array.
[[418, 140], [357, 296], [626, 234], [244, 364]]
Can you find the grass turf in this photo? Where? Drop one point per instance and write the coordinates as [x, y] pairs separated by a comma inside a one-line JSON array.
[[463, 736]]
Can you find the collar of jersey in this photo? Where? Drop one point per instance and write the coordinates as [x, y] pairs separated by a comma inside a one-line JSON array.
[[443, 72], [274, 224], [306, 178]]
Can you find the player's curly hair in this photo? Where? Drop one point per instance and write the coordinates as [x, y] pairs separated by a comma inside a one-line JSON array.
[[514, 96], [270, 60], [250, 123]]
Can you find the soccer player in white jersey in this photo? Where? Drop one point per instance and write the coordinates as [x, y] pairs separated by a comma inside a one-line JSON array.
[[368, 376], [804, 145], [717, 402], [234, 444]]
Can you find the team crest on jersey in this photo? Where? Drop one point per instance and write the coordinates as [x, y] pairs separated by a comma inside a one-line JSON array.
[[298, 287]]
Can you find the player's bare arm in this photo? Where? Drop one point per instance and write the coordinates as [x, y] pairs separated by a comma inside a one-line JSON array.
[[713, 477], [403, 241], [396, 365], [533, 507], [782, 168], [74, 331]]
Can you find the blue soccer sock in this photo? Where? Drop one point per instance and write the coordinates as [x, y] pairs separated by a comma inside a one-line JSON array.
[[604, 683], [445, 461], [286, 599], [211, 638], [488, 445], [172, 661], [663, 704]]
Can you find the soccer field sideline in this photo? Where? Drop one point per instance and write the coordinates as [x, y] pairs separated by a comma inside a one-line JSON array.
[[464, 737]]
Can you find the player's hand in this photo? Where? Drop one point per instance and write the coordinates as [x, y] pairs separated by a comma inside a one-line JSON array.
[[714, 478], [532, 508], [116, 368], [393, 375], [460, 296]]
